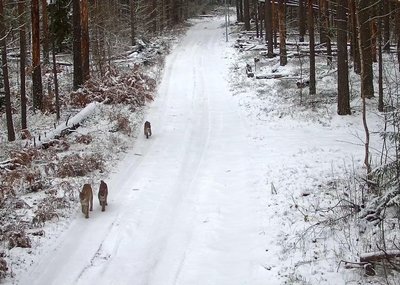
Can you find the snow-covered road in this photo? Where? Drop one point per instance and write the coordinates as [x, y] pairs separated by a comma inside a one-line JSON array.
[[182, 209]]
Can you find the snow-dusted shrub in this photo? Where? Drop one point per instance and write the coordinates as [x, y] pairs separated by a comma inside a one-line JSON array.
[[58, 145], [68, 189], [79, 165], [45, 212], [85, 139], [79, 99], [18, 239], [123, 125], [5, 191], [3, 266], [18, 158], [133, 88]]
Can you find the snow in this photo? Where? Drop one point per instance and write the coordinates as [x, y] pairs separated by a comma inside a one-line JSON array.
[[215, 195]]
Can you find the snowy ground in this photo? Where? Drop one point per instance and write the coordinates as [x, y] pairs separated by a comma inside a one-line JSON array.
[[215, 195]]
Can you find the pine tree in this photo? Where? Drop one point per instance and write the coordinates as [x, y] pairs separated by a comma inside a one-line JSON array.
[[364, 25], [7, 93], [85, 39], [343, 101], [312, 46], [268, 28], [22, 64], [37, 87], [77, 44]]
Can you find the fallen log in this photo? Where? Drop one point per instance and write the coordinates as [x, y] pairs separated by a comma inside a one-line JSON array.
[[270, 76], [379, 256], [70, 126], [374, 257]]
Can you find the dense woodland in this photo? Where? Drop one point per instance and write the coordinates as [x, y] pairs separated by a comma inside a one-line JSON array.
[[86, 29], [354, 36], [361, 37]]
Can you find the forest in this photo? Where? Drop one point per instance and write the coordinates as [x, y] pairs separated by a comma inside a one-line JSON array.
[[354, 37], [59, 56]]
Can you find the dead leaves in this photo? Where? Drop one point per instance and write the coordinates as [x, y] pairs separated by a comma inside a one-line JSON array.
[[130, 89]]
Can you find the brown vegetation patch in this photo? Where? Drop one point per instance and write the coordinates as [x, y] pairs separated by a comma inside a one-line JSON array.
[[42, 215], [3, 266], [18, 239], [133, 89], [80, 165], [57, 145], [85, 139]]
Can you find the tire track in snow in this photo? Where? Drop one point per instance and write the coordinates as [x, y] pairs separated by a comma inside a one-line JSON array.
[[185, 206], [152, 236]]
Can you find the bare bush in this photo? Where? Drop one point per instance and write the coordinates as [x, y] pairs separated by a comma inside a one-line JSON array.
[[48, 209], [123, 125], [56, 145], [19, 158], [3, 266], [25, 134], [41, 216], [34, 179], [11, 178], [5, 192], [85, 139], [24, 157], [132, 89], [68, 189], [18, 239], [80, 165]]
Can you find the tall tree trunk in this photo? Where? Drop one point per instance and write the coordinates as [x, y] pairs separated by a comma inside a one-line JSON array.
[[268, 28], [241, 17], [45, 32], [168, 12], [343, 76], [355, 48], [238, 10], [367, 85], [275, 22], [85, 40], [322, 21], [386, 26], [37, 87], [374, 34], [302, 21], [398, 31], [246, 14], [77, 44], [175, 12], [55, 79], [282, 32], [3, 46], [153, 16], [132, 6], [312, 84], [22, 63], [366, 70], [163, 19], [98, 46], [326, 38], [255, 9], [381, 19], [261, 15]]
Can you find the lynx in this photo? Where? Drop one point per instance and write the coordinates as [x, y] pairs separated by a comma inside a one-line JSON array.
[[147, 129], [86, 197], [103, 193]]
